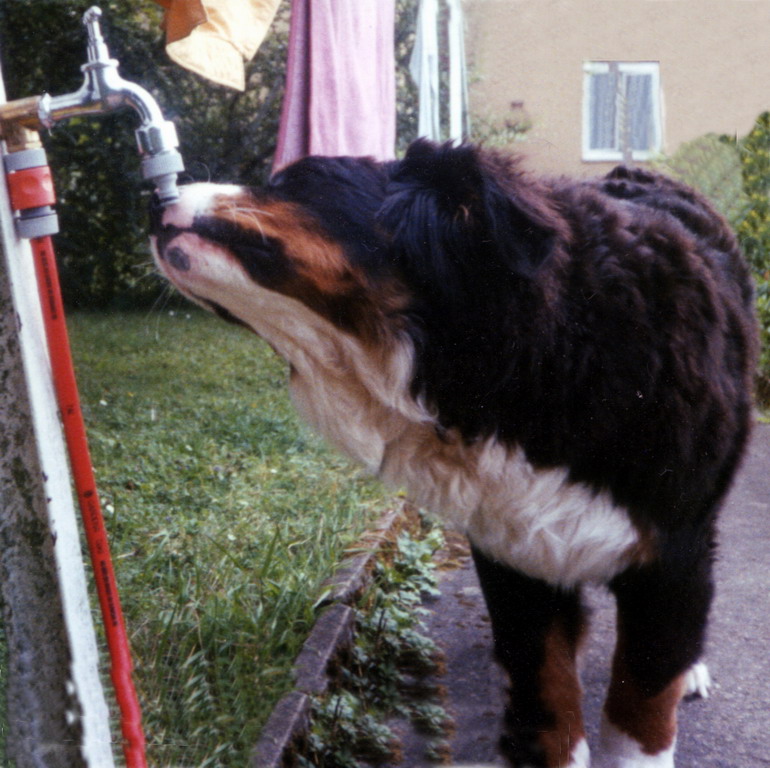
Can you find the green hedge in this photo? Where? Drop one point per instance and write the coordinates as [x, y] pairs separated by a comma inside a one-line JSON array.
[[754, 230]]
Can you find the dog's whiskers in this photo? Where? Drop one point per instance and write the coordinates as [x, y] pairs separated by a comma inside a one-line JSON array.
[[251, 215]]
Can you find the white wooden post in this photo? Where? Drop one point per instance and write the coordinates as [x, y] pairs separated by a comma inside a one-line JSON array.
[[57, 713]]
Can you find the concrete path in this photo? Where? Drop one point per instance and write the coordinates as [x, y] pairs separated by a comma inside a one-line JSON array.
[[728, 730]]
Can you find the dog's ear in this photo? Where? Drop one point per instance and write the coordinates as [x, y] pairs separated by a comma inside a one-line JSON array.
[[455, 216]]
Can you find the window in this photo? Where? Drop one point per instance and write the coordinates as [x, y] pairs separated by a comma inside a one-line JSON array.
[[621, 110]]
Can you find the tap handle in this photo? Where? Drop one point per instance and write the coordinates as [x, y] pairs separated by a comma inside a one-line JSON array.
[[97, 48]]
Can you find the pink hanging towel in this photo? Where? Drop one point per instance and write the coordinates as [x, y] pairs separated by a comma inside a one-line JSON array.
[[340, 81]]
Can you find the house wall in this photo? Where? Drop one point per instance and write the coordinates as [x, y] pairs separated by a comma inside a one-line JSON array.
[[714, 60]]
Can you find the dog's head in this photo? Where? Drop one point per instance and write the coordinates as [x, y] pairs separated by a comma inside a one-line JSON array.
[[307, 239], [434, 248], [349, 238]]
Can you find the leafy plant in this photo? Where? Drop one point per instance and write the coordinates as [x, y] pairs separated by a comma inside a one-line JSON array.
[[343, 720], [752, 226], [754, 230], [385, 668]]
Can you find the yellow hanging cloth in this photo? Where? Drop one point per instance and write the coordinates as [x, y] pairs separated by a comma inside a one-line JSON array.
[[215, 38]]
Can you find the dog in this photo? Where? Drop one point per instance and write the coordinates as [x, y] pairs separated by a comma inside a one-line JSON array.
[[561, 369]]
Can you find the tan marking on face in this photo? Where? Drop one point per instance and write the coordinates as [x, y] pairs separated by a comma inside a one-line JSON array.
[[315, 256]]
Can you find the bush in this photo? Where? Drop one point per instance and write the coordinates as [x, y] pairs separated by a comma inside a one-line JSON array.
[[754, 228], [754, 231]]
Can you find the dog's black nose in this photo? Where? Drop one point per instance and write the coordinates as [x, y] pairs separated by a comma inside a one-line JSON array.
[[156, 214]]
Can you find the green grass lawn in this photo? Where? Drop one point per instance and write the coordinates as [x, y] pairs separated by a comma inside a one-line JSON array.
[[225, 516]]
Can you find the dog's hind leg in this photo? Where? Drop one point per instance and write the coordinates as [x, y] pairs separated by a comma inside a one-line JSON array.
[[662, 614], [537, 629]]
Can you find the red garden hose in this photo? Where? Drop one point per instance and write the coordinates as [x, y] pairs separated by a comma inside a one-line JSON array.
[[32, 194]]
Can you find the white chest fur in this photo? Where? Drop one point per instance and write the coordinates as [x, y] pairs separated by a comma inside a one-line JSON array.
[[534, 520]]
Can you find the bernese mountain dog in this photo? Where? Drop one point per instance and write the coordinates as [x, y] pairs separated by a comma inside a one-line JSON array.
[[560, 369]]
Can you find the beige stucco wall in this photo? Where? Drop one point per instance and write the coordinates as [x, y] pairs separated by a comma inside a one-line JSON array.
[[714, 60]]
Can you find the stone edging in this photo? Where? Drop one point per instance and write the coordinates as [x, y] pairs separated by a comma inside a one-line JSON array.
[[332, 632]]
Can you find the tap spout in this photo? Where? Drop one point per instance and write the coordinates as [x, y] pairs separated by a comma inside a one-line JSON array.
[[104, 90]]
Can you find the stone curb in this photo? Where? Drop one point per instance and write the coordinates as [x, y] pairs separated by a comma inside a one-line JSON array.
[[333, 631], [290, 717], [353, 576]]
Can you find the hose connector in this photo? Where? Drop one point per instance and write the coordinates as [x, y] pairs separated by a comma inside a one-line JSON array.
[[161, 162], [30, 188]]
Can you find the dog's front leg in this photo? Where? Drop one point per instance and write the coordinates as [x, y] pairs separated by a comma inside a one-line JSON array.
[[662, 614], [537, 629]]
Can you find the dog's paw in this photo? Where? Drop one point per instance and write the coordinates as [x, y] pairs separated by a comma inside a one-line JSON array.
[[617, 750], [580, 757], [697, 682]]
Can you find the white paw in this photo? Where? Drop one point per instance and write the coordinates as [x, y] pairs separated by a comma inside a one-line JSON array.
[[697, 681], [617, 750], [580, 757]]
